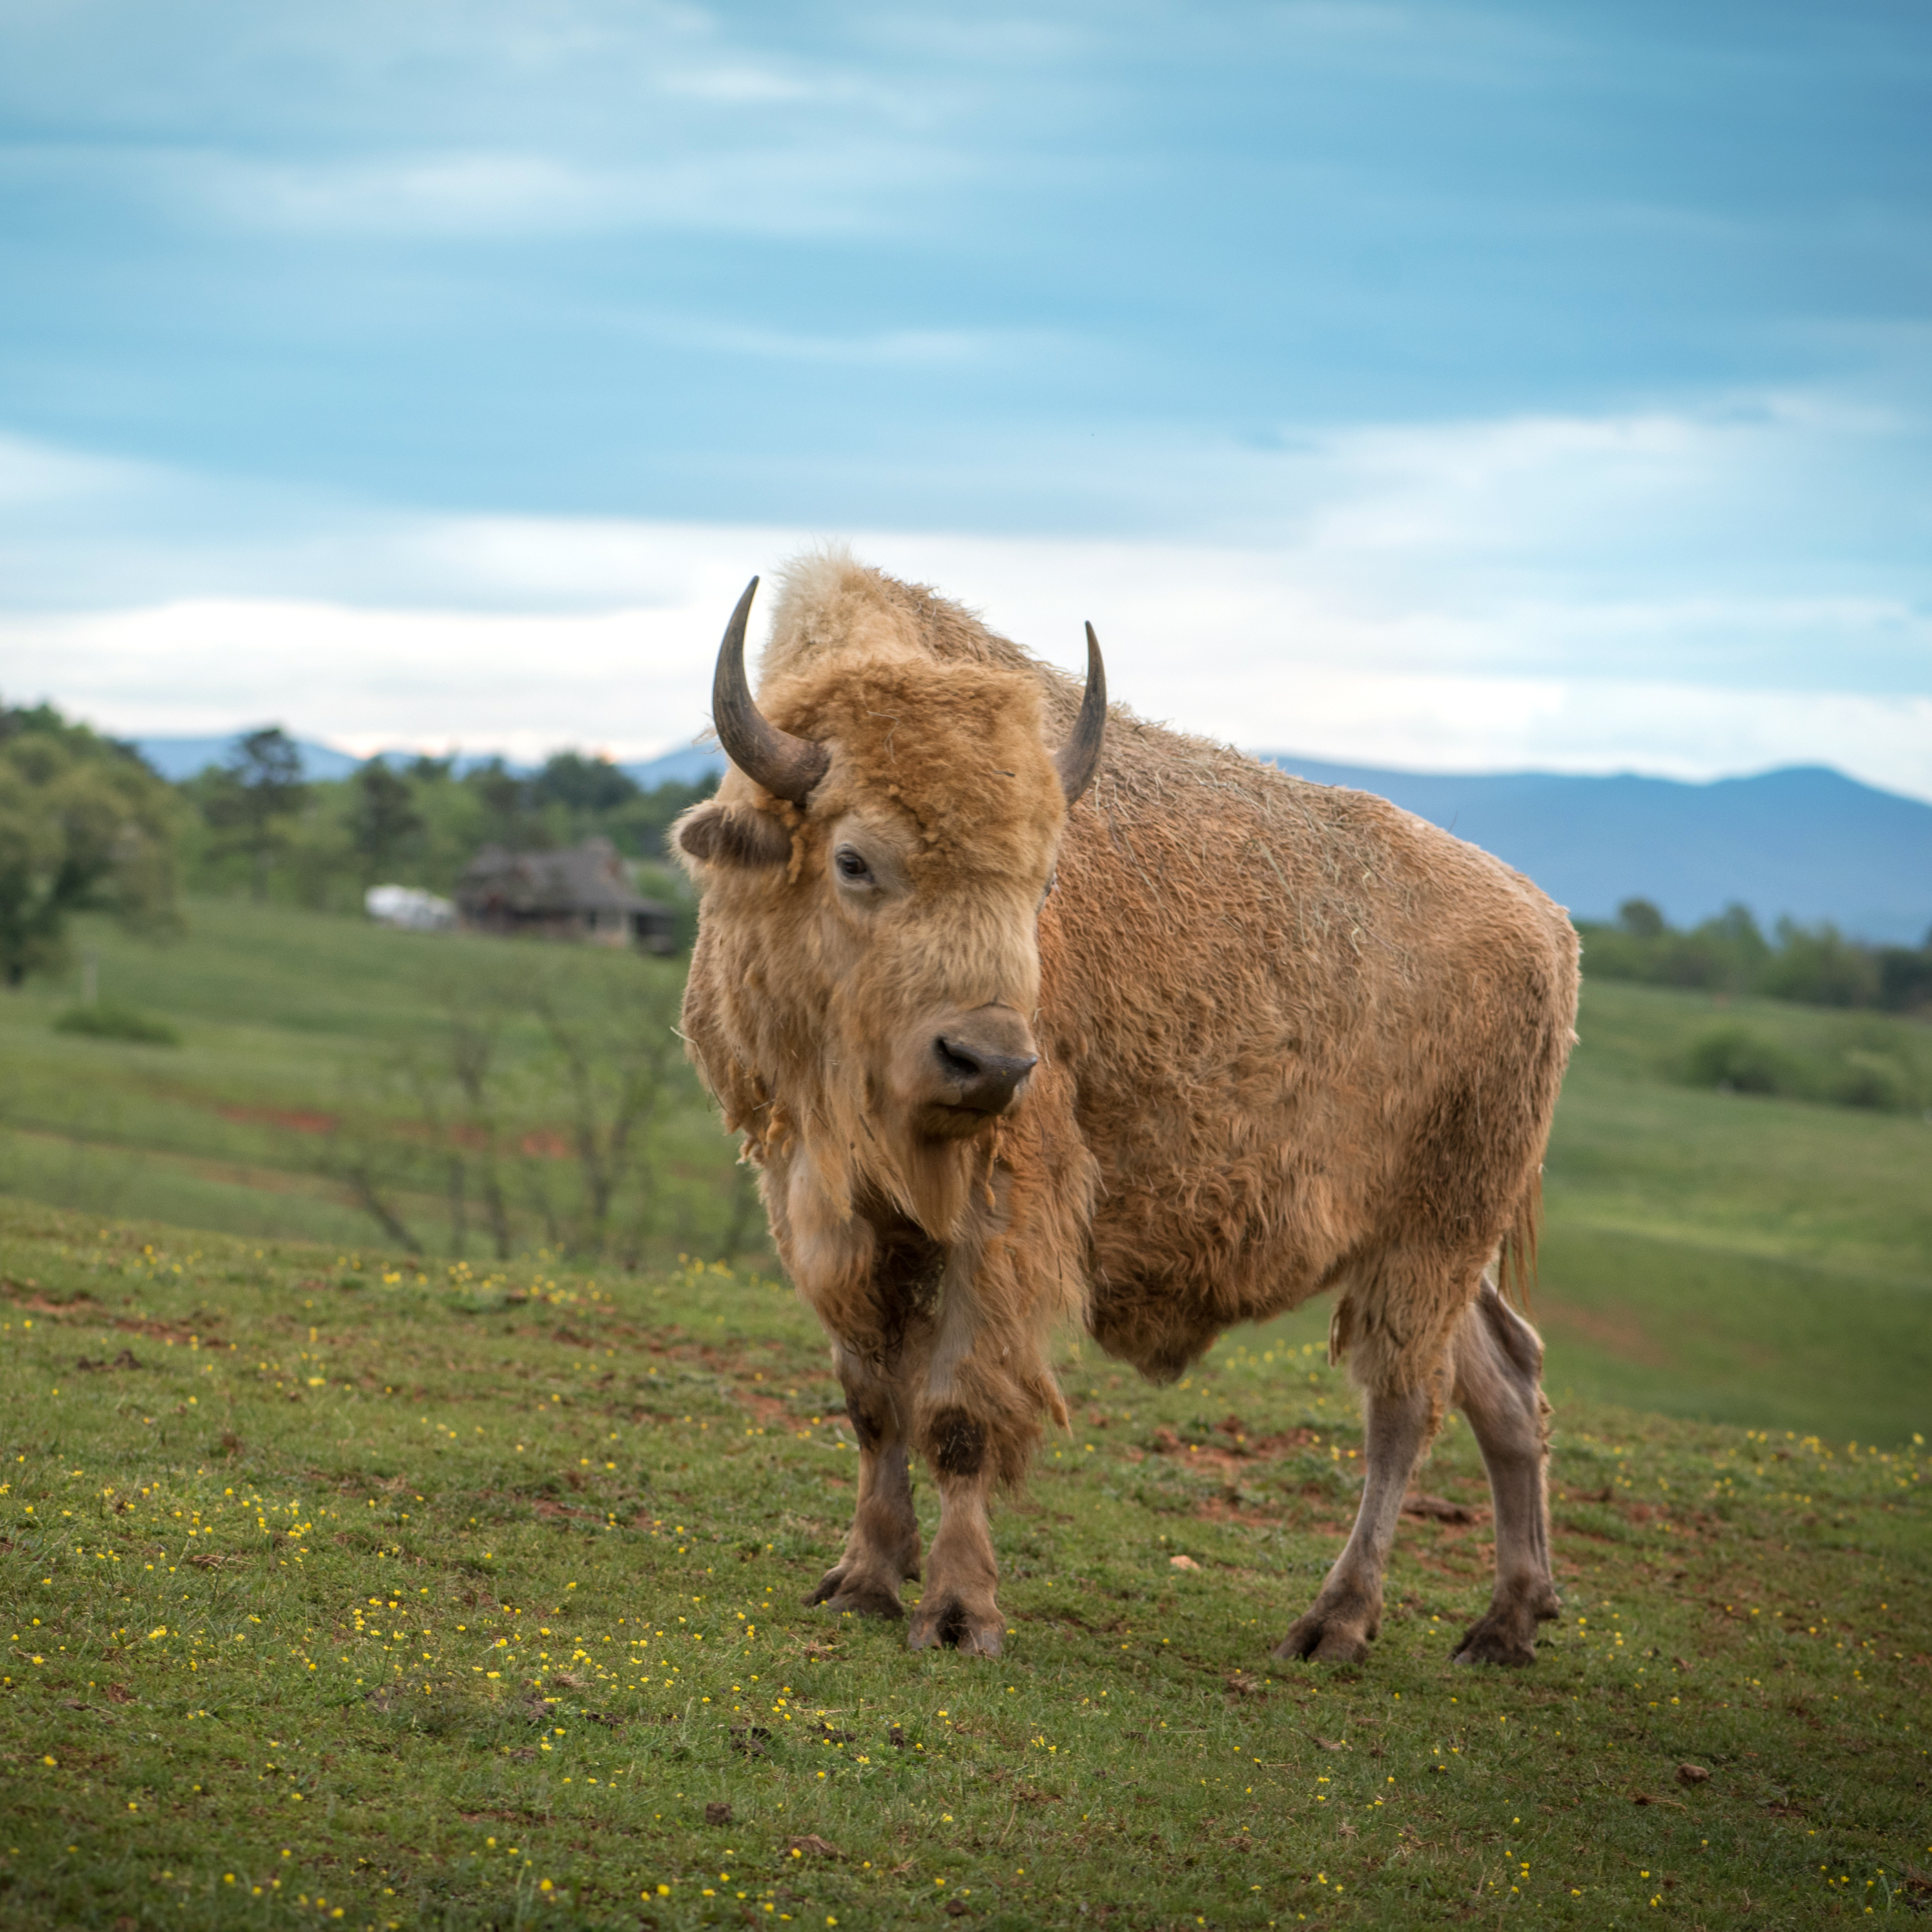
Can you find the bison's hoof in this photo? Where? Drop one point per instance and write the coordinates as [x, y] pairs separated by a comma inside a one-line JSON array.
[[1505, 1640], [862, 1596], [948, 1624], [1317, 1640], [1337, 1629]]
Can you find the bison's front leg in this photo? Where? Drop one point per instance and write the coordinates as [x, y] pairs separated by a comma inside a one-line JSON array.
[[958, 1607], [1347, 1615], [882, 1547]]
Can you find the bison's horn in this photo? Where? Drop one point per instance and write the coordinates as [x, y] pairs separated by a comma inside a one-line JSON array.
[[1077, 760], [785, 765]]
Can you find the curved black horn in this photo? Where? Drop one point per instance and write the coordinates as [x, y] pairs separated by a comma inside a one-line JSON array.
[[1077, 760], [785, 765]]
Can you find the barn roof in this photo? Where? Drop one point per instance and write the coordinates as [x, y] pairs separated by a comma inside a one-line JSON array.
[[589, 878]]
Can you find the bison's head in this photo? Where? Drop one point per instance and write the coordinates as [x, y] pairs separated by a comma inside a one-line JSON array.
[[874, 866]]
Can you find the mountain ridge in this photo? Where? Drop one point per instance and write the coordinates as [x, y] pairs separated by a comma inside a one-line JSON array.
[[1803, 842]]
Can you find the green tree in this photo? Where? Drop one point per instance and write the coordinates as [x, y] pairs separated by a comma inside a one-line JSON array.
[[383, 820], [509, 809], [639, 824], [1905, 977], [1818, 965], [254, 797], [1728, 954], [84, 826], [586, 788], [1641, 919]]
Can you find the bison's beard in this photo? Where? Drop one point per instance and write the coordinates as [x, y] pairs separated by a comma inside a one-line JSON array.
[[936, 1122], [839, 1184], [876, 1137], [934, 1181], [943, 1181], [865, 1155]]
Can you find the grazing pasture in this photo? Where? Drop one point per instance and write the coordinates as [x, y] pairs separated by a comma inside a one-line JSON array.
[[311, 1043], [342, 1587], [1751, 1258]]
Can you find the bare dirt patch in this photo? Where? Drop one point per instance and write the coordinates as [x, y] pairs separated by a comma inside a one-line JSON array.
[[295, 1121], [25, 1295], [544, 1507], [1230, 1447], [1620, 1335], [1439, 1509]]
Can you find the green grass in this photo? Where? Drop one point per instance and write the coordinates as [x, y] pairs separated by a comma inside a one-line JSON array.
[[1733, 1256], [454, 1598], [1719, 1255], [99, 1022], [289, 1021]]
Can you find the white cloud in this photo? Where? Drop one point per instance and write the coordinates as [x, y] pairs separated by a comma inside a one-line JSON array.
[[911, 347], [782, 190], [450, 194], [1734, 490], [1211, 640], [622, 681], [40, 474], [1582, 594], [743, 85]]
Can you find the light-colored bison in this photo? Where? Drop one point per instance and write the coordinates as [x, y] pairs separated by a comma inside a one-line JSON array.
[[1030, 1011]]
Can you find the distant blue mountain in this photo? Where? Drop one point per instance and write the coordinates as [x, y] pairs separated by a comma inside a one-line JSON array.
[[461, 763], [178, 758], [688, 765], [1806, 841]]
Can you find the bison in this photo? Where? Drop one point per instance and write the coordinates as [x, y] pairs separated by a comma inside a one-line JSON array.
[[1030, 1011]]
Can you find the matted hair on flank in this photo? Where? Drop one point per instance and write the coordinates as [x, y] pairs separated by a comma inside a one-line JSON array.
[[1516, 1258]]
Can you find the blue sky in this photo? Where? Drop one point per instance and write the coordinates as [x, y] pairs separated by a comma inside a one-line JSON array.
[[1442, 385]]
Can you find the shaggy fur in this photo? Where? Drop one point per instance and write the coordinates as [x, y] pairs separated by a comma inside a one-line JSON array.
[[1293, 1040]]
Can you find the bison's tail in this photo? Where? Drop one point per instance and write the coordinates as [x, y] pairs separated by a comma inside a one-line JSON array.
[[1516, 1259]]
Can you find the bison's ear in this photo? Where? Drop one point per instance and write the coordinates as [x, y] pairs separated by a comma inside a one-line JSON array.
[[728, 835]]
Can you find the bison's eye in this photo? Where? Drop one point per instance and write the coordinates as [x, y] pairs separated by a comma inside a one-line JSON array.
[[850, 866]]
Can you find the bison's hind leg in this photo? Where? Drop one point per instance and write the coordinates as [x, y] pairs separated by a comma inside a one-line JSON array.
[[1347, 1615], [1498, 1364], [882, 1549]]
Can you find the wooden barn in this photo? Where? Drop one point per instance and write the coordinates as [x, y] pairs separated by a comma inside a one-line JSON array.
[[582, 894]]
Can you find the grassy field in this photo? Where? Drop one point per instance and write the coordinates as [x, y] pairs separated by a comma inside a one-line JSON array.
[[1746, 1259], [295, 1026], [396, 1597], [1755, 1260]]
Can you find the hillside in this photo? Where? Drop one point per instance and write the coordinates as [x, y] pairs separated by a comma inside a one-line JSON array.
[[176, 758], [306, 1037], [344, 1589], [1754, 1259]]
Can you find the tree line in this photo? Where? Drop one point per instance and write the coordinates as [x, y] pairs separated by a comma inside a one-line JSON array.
[[87, 826], [256, 824], [1815, 965]]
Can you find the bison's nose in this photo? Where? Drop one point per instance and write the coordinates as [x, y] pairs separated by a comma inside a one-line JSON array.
[[983, 1078]]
